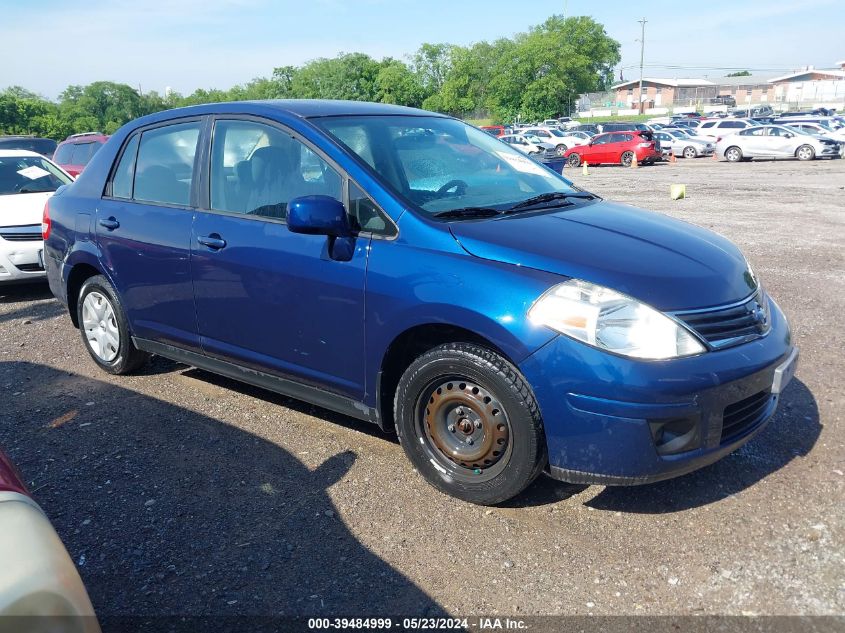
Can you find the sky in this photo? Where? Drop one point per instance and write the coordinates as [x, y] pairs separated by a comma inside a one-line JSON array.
[[190, 44]]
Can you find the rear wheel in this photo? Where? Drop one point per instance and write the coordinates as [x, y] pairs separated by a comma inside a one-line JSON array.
[[469, 423], [733, 154], [574, 160], [627, 158], [104, 328], [689, 152], [805, 152]]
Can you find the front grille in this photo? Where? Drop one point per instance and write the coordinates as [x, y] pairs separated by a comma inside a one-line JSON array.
[[744, 414], [550, 154], [730, 325], [30, 268], [28, 233]]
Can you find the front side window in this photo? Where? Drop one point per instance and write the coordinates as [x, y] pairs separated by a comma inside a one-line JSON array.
[[29, 174], [257, 169], [440, 164], [164, 168]]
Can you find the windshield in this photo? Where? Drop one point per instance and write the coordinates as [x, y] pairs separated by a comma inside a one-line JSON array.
[[441, 164], [29, 174]]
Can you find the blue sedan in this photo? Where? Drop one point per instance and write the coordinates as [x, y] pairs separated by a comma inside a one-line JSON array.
[[407, 269]]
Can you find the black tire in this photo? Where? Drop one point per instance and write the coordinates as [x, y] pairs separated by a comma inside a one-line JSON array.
[[627, 158], [560, 150], [574, 160], [491, 402], [689, 152], [733, 154], [805, 152], [128, 358]]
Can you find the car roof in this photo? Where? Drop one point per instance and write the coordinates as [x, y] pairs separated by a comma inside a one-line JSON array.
[[85, 138], [304, 108], [9, 153]]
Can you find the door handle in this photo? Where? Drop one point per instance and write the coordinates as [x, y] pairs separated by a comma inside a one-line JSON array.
[[213, 241], [111, 224]]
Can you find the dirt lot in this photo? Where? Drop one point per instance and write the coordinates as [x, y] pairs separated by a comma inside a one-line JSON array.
[[179, 492]]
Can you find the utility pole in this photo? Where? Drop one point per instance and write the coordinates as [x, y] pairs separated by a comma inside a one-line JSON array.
[[642, 52]]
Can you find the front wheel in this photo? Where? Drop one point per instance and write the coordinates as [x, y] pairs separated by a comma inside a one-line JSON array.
[[805, 152], [574, 160], [105, 329], [469, 423], [689, 152]]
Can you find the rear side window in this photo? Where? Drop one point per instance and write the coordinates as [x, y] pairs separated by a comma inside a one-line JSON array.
[[709, 124], [164, 168], [122, 182], [732, 124]]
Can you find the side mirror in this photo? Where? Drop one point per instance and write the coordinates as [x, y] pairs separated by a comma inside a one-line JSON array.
[[318, 215], [789, 135]]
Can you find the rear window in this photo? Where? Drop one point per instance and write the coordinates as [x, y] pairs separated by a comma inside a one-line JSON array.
[[43, 146]]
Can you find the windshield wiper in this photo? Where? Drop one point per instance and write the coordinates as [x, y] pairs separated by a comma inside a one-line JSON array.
[[550, 197], [468, 212]]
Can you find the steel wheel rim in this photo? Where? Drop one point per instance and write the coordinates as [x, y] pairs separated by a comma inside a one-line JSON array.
[[733, 154], [689, 153], [100, 326], [464, 429], [804, 153]]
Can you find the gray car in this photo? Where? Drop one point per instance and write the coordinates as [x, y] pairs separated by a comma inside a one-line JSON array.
[[775, 141], [683, 145]]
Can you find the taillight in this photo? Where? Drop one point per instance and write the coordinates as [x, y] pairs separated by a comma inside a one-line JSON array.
[[46, 225]]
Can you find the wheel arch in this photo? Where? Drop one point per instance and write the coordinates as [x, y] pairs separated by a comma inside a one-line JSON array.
[[79, 272], [410, 344]]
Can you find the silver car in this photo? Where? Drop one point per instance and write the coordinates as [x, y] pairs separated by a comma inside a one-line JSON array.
[[776, 141], [683, 144]]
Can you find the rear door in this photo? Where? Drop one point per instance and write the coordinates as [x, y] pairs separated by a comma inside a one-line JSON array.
[[279, 302], [143, 228]]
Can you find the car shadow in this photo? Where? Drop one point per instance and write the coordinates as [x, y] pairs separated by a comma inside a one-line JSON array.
[[792, 433], [169, 511], [33, 299]]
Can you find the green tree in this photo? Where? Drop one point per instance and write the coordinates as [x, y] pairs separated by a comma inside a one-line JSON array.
[[396, 83], [432, 63], [739, 73], [349, 76]]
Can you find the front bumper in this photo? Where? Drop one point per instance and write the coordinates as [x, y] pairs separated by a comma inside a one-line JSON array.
[[21, 261], [600, 411]]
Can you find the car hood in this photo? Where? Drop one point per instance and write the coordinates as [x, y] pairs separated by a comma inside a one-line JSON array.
[[669, 264], [19, 209]]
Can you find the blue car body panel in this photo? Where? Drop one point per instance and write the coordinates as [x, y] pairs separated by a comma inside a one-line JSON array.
[[275, 303]]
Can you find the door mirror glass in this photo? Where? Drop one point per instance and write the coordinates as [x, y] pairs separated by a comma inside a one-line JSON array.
[[318, 215]]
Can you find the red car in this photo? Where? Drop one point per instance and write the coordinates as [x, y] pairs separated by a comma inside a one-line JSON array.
[[495, 130], [616, 148], [76, 150], [37, 578]]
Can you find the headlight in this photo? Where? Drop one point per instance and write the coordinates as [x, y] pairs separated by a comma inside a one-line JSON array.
[[608, 320]]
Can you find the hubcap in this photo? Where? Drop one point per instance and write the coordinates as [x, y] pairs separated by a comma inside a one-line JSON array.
[[466, 425], [100, 326]]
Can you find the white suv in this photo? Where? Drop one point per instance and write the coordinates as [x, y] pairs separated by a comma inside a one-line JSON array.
[[722, 127], [27, 179]]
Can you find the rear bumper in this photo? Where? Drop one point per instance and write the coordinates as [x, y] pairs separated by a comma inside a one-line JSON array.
[[603, 414], [21, 261]]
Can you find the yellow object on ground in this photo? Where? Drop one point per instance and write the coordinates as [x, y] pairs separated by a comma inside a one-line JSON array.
[[586, 170], [634, 162], [677, 192]]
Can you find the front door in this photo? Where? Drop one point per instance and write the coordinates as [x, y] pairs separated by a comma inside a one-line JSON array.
[[143, 228], [267, 298]]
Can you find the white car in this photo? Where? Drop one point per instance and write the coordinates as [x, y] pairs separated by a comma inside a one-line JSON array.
[[530, 145], [27, 179], [776, 141], [722, 127], [558, 139], [816, 128]]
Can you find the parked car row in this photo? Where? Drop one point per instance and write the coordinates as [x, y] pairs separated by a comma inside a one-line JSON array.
[[72, 154]]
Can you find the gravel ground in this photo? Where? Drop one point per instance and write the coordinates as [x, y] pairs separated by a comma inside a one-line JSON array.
[[180, 492]]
